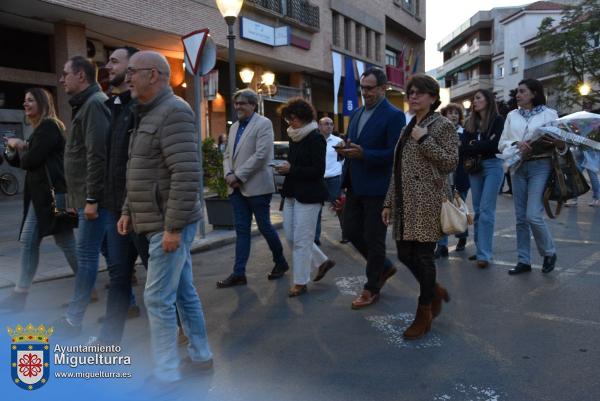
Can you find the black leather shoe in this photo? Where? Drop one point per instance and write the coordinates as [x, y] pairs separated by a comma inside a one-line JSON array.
[[460, 246], [519, 268], [472, 257], [232, 281], [386, 276], [278, 272], [441, 252], [549, 262]]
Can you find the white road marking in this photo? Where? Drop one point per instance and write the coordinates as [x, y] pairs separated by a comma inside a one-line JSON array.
[[562, 319], [392, 327], [350, 285], [503, 263], [568, 241], [469, 392]]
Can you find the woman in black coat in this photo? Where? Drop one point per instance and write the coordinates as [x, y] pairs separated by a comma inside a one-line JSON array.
[[42, 158], [304, 191]]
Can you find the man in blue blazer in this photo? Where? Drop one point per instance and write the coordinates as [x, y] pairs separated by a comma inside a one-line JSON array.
[[372, 134]]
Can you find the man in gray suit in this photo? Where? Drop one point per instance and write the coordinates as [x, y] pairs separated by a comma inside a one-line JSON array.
[[250, 178]]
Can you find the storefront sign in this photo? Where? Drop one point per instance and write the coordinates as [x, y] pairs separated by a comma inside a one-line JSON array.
[[258, 32]]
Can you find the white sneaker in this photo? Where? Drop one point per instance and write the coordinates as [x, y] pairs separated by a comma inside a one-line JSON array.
[[571, 203], [595, 203]]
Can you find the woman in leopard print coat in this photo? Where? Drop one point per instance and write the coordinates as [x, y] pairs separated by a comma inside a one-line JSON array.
[[425, 154]]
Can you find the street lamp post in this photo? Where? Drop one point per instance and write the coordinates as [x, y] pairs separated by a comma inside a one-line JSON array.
[[584, 90], [229, 10]]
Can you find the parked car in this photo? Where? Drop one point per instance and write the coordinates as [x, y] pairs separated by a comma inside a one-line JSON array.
[[280, 153]]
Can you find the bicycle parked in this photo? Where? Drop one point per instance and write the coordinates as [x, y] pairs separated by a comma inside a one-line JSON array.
[[9, 185]]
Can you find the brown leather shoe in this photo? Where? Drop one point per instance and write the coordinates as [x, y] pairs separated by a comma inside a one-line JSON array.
[[323, 269], [421, 325], [482, 264], [365, 299], [440, 295], [297, 290], [386, 275]]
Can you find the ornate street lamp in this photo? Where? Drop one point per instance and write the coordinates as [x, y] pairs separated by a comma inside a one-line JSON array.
[[229, 10], [246, 74]]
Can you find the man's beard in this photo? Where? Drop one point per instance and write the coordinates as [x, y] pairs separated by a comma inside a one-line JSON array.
[[117, 80]]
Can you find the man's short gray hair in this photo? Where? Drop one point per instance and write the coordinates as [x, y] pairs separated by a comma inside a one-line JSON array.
[[248, 95]]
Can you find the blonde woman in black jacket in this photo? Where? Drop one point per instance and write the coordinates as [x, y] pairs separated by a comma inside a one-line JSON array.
[[42, 158]]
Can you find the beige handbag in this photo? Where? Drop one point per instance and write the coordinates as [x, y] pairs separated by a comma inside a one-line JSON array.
[[455, 215]]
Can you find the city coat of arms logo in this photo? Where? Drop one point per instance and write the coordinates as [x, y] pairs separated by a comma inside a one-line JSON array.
[[30, 355]]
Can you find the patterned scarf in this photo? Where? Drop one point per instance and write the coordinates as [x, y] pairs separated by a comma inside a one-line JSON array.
[[527, 114]]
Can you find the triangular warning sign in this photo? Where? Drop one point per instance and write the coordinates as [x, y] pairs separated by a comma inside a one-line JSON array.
[[193, 43]]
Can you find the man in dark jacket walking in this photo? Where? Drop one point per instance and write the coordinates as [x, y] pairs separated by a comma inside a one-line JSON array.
[[163, 175], [122, 250], [373, 132], [85, 164]]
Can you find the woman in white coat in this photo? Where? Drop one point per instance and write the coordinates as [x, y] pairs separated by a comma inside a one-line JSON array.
[[530, 177]]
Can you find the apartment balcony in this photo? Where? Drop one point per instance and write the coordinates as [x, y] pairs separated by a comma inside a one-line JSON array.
[[269, 5], [473, 55], [300, 13], [541, 72], [467, 88], [395, 75]]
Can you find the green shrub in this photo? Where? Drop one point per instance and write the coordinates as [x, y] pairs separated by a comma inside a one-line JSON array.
[[212, 163]]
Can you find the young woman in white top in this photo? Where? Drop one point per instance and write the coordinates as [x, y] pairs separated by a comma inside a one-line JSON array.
[[529, 178]]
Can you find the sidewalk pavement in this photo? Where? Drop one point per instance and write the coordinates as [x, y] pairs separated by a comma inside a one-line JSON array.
[[52, 263]]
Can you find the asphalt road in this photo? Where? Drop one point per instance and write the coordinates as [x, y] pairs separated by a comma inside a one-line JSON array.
[[501, 338]]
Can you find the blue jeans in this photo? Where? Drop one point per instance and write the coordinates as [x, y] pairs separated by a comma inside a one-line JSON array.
[[243, 209], [529, 181], [334, 188], [595, 184], [444, 240], [121, 256], [484, 190], [30, 253], [170, 281], [89, 241]]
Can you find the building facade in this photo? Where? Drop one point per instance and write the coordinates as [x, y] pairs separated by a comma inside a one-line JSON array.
[[495, 50], [468, 54], [294, 39]]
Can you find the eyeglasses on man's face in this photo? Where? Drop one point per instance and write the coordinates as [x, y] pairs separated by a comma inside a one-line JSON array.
[[368, 88]]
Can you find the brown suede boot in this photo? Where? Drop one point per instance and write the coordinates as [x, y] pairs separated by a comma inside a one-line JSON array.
[[421, 325], [440, 295]]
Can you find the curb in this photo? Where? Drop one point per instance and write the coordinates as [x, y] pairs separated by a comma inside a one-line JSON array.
[[204, 245]]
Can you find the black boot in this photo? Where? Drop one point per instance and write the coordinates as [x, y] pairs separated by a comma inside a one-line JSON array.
[[549, 262], [278, 271], [461, 244]]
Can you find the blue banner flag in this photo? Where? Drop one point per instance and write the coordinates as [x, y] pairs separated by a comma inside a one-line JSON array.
[[350, 95]]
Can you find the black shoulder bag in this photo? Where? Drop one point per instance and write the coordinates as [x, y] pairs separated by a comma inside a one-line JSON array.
[[565, 182], [64, 218]]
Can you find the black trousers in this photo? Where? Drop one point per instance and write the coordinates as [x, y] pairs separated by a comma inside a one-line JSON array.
[[362, 225], [418, 257]]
